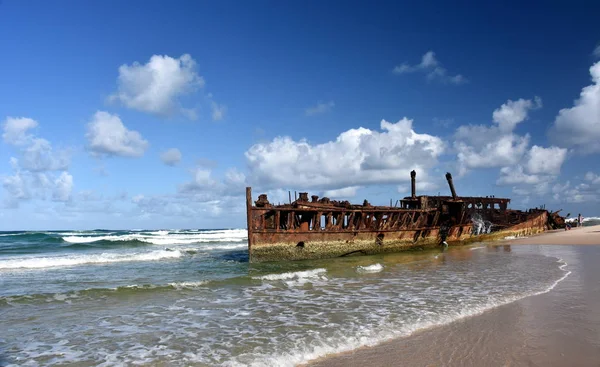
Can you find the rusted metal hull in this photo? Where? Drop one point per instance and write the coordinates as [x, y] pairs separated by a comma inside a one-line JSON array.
[[323, 228], [273, 246]]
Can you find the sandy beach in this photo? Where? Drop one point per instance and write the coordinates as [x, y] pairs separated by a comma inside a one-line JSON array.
[[557, 328], [576, 236]]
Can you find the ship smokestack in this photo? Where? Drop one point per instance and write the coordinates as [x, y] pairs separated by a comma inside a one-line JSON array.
[[413, 184], [449, 178]]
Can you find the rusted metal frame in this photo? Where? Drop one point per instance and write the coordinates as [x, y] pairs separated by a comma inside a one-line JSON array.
[[249, 219], [397, 220], [339, 221], [340, 209], [351, 221], [412, 220], [271, 231], [277, 221], [378, 221]]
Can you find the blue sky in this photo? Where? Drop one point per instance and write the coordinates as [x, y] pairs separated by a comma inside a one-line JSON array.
[[158, 114]]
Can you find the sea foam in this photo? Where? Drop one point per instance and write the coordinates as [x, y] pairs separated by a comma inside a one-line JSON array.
[[375, 268], [293, 275]]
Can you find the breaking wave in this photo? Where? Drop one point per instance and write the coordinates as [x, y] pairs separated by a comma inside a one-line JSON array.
[[166, 237], [73, 260]]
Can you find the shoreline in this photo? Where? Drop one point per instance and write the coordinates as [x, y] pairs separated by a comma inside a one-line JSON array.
[[589, 235], [491, 330]]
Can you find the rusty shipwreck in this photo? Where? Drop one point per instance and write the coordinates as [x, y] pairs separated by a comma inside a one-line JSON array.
[[324, 228]]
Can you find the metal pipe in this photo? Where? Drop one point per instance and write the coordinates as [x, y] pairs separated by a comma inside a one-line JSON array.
[[449, 178], [413, 184]]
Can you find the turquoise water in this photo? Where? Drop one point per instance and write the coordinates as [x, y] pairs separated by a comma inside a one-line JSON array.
[[190, 297]]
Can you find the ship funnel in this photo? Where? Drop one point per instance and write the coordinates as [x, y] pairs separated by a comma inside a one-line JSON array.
[[413, 184], [449, 178]]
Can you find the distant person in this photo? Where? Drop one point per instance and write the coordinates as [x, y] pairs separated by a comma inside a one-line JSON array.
[[579, 220]]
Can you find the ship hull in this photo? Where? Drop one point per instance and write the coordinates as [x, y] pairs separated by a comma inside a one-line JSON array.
[[304, 245]]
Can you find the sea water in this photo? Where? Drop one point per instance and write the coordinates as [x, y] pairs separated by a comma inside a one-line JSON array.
[[191, 298]]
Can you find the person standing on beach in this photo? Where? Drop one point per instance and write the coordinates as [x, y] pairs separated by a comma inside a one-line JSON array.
[[579, 220]]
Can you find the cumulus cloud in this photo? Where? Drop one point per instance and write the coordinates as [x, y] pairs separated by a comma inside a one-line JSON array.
[[15, 130], [529, 169], [319, 108], [36, 153], [534, 173], [584, 192], [545, 160], [34, 175], [356, 157], [107, 136], [171, 157], [432, 68], [16, 187], [480, 146], [155, 87], [513, 112], [579, 126]]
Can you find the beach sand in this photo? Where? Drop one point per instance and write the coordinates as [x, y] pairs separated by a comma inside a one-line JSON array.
[[558, 328], [576, 236]]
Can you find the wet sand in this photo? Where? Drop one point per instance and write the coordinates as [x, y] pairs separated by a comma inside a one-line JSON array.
[[576, 236], [558, 328]]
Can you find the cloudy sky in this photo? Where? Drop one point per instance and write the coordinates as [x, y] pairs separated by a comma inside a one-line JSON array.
[[157, 115]]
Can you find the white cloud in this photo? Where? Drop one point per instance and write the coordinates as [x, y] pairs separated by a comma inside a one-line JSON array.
[[63, 186], [171, 156], [545, 160], [156, 86], [593, 178], [319, 108], [356, 157], [488, 150], [108, 136], [580, 193], [16, 187], [433, 68], [516, 175], [34, 174], [480, 146], [39, 156], [344, 192], [218, 111], [534, 173], [530, 169], [235, 179], [15, 130], [513, 112], [579, 126], [36, 153]]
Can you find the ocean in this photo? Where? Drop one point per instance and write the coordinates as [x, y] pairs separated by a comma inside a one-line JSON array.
[[191, 298]]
